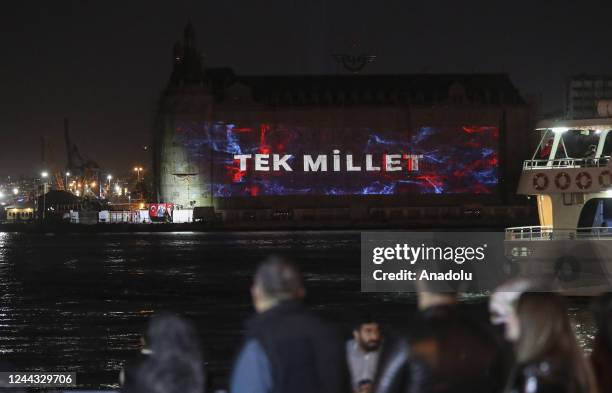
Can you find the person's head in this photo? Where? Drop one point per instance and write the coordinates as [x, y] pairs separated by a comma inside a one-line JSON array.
[[602, 312], [502, 306], [367, 334], [176, 363], [170, 333], [276, 280], [543, 327], [545, 334]]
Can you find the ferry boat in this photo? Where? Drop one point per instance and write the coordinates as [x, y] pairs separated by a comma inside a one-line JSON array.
[[570, 175]]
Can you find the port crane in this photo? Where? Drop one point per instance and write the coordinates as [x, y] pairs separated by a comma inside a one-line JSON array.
[[47, 157], [86, 170]]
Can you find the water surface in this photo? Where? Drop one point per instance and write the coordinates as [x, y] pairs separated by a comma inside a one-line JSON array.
[[79, 302]]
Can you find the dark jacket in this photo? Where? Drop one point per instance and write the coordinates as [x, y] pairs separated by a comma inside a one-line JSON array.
[[601, 359], [392, 370], [546, 376], [445, 352], [306, 354]]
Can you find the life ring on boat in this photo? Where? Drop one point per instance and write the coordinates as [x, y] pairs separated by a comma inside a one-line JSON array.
[[540, 181], [602, 177], [567, 268], [584, 180], [567, 180]]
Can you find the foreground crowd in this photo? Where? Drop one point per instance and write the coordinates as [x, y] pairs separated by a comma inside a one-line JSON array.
[[529, 347]]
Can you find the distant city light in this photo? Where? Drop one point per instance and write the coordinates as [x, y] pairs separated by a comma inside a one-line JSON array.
[[93, 184], [15, 191], [118, 189], [138, 169]]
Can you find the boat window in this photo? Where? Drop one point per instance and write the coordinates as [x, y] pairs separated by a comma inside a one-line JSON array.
[[607, 149], [579, 144], [597, 212]]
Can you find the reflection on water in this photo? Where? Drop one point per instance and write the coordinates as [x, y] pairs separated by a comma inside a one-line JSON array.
[[79, 302]]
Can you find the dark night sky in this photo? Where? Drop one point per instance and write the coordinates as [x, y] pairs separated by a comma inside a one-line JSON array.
[[103, 63]]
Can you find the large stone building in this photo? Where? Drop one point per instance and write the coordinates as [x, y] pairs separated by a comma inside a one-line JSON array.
[[468, 132]]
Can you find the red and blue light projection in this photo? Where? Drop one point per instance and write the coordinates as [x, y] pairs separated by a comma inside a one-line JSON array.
[[451, 160]]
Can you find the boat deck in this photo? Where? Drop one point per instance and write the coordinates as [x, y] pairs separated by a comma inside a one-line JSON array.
[[566, 163], [549, 233]]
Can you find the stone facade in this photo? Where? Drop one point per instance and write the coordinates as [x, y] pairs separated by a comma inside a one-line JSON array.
[[207, 95]]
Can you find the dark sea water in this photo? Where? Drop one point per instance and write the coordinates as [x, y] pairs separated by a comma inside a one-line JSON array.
[[79, 302]]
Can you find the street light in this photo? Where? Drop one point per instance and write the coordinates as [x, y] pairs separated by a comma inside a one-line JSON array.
[[15, 191], [67, 176], [109, 178], [44, 175], [138, 169]]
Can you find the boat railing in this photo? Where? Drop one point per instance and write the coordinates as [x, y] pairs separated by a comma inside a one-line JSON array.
[[566, 163], [548, 233]]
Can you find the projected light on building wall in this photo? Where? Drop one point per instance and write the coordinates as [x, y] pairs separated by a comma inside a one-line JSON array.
[[358, 161]]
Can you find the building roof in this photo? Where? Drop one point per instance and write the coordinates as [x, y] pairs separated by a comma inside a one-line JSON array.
[[340, 89], [601, 123], [589, 77], [20, 205], [363, 89], [59, 197]]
